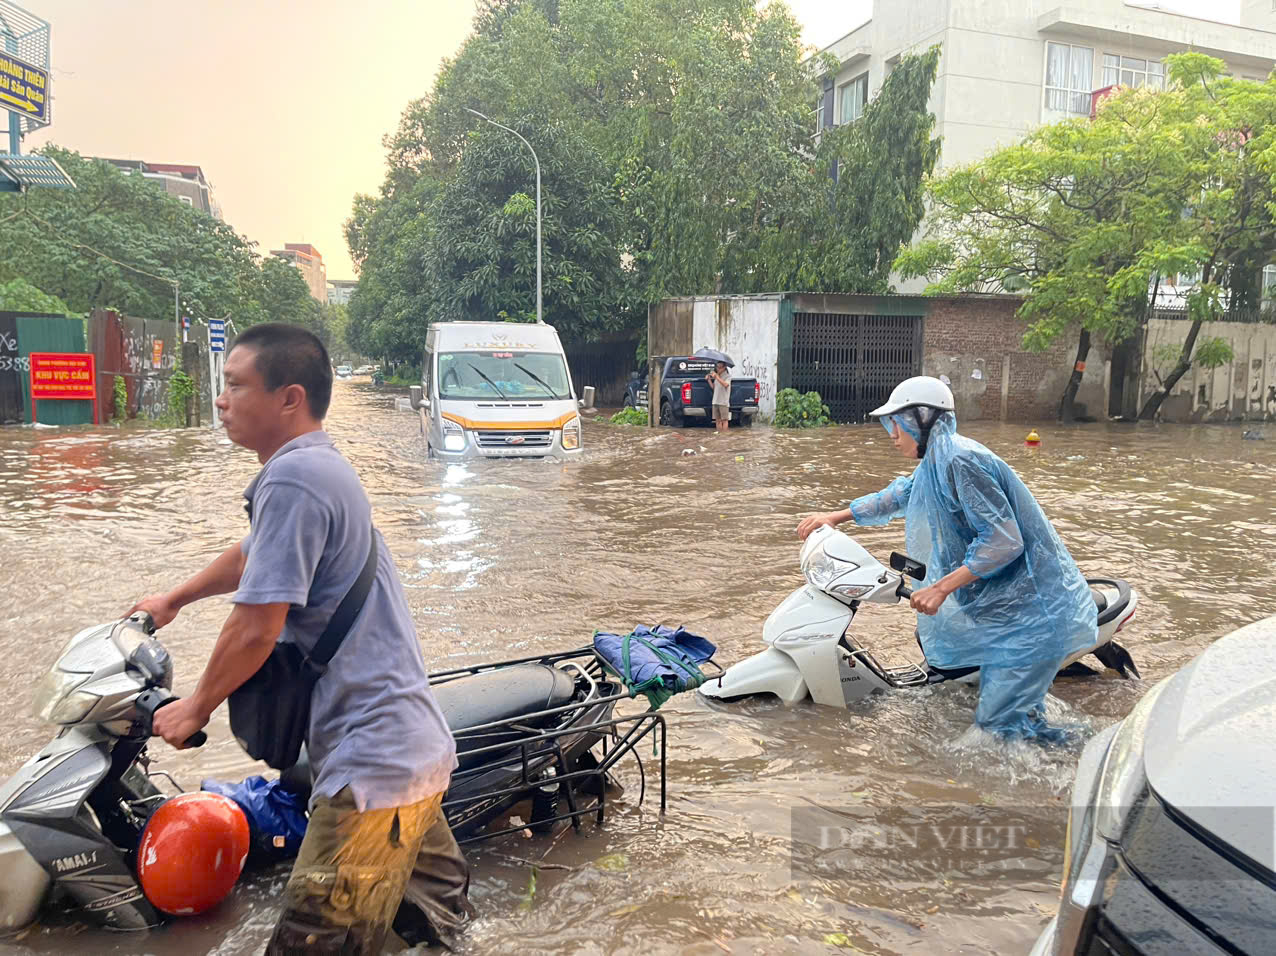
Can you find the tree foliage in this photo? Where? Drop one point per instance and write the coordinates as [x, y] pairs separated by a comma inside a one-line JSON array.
[[19, 295], [678, 156], [85, 246], [1087, 217]]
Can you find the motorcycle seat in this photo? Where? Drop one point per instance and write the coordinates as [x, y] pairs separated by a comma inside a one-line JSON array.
[[503, 693], [1100, 599], [520, 690], [477, 699]]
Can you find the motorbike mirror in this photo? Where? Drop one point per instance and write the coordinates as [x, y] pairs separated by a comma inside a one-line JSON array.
[[906, 565]]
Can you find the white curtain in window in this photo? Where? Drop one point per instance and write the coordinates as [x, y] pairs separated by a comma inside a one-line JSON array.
[[1057, 58], [1081, 77]]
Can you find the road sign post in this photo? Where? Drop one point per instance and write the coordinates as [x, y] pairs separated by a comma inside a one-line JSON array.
[[216, 361]]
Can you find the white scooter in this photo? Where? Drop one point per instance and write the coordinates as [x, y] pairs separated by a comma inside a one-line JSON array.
[[811, 653]]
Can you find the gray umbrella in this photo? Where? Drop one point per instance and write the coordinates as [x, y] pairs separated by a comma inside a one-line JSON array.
[[713, 355]]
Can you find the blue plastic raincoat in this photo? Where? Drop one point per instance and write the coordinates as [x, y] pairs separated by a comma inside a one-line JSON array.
[[1030, 607]]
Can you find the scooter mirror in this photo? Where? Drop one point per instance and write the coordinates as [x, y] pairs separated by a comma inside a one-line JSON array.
[[906, 565]]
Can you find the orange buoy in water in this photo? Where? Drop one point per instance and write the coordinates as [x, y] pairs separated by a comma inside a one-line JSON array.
[[192, 852], [1033, 439]]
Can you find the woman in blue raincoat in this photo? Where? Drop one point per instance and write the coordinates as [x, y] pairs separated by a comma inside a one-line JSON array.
[[1001, 590]]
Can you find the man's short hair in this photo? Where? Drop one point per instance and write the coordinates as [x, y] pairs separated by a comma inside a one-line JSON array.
[[290, 355]]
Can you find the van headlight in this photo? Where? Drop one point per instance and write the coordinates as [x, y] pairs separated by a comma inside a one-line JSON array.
[[571, 434], [453, 436]]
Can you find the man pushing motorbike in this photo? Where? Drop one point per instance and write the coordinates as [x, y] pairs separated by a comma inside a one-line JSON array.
[[1001, 591], [377, 852]]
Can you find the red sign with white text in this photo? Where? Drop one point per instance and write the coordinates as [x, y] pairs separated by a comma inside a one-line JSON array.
[[63, 375]]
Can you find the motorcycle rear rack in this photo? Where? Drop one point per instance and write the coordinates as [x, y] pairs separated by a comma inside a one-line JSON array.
[[619, 737]]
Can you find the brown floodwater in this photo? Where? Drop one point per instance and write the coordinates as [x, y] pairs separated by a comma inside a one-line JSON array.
[[507, 559]]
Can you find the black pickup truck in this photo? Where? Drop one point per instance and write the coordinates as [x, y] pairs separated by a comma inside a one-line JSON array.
[[685, 392]]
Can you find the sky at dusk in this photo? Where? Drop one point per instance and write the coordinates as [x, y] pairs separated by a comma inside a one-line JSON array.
[[282, 103]]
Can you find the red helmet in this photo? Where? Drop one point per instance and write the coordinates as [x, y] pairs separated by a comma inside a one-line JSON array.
[[192, 852]]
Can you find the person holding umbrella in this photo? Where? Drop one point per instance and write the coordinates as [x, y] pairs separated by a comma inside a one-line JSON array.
[[720, 379]]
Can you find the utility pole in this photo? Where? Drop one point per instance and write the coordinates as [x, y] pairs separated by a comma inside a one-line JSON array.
[[538, 202]]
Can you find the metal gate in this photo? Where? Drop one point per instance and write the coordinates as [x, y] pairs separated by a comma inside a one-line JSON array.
[[854, 361]]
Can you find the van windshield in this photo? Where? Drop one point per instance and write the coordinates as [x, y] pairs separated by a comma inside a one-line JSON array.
[[484, 376]]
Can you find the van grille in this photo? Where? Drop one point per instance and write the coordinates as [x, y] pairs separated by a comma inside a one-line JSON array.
[[500, 439]]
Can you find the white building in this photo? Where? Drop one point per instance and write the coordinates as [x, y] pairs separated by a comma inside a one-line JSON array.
[[340, 290], [1008, 66]]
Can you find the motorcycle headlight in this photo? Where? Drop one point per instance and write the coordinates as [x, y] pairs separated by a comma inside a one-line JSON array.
[[821, 570], [453, 436], [56, 700], [571, 434]]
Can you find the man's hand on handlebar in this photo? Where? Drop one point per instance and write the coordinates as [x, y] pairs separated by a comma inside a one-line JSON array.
[[178, 721], [160, 607]]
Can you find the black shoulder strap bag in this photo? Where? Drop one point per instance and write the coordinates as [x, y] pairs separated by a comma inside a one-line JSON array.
[[270, 712]]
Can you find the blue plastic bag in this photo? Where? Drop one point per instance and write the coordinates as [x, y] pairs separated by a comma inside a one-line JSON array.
[[658, 662], [276, 816]]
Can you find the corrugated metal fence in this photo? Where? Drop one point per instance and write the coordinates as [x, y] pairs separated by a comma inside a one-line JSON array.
[[143, 351]]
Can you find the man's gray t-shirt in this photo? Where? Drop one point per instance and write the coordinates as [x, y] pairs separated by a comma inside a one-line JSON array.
[[722, 393], [374, 724]]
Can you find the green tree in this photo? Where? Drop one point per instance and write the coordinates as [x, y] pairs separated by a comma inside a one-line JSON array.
[[862, 199], [19, 295], [480, 250], [678, 152], [1087, 217], [86, 245]]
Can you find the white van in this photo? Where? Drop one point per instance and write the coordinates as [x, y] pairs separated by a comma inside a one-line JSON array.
[[497, 390]]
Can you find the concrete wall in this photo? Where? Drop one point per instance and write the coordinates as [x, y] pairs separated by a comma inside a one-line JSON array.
[[976, 343], [1238, 390], [747, 330], [669, 328]]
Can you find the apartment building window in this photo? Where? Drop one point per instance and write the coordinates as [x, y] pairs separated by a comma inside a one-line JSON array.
[[819, 113], [1069, 73], [1132, 71], [1269, 285], [187, 200], [852, 97]]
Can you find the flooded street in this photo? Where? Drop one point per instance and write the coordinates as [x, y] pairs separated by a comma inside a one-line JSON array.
[[503, 560]]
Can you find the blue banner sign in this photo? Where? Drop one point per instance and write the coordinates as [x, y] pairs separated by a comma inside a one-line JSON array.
[[24, 89]]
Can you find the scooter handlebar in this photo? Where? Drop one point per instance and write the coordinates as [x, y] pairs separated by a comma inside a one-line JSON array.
[[149, 701]]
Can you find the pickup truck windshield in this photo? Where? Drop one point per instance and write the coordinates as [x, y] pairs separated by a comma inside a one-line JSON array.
[[487, 376]]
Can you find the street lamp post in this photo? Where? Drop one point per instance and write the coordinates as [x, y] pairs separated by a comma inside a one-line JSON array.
[[538, 202]]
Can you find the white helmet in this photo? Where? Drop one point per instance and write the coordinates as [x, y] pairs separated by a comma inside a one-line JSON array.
[[919, 390]]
